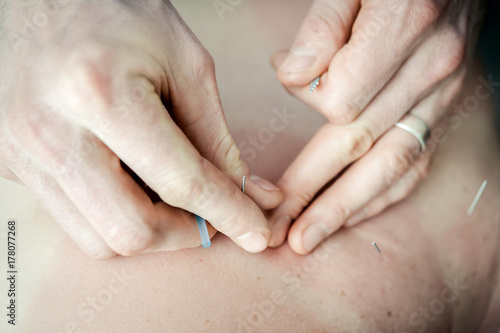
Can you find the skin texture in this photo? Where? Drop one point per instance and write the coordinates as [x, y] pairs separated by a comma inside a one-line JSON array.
[[83, 90], [427, 240], [378, 60]]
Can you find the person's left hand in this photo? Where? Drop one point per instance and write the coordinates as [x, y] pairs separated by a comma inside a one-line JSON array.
[[377, 60]]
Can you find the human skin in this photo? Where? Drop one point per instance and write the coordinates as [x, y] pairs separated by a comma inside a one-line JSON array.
[[427, 241], [377, 60], [86, 86]]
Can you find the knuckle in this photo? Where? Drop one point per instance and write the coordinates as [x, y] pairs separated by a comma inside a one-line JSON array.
[[339, 112], [340, 212], [228, 152], [422, 15], [452, 90], [453, 57], [425, 13], [301, 199], [186, 189], [328, 20], [85, 80], [297, 199], [399, 162], [424, 172], [358, 142], [200, 73], [231, 224], [321, 23], [34, 131], [202, 63], [424, 169]]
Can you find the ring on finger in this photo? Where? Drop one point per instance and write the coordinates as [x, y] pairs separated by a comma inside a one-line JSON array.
[[416, 127]]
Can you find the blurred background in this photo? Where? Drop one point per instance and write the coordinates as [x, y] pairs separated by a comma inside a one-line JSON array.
[[489, 48]]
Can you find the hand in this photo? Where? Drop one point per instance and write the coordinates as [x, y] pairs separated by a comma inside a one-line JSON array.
[[377, 60], [84, 91]]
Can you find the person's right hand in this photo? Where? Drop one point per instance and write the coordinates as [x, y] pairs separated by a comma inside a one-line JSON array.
[[83, 88]]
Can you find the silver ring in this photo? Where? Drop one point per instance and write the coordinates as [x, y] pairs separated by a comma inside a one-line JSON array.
[[416, 127]]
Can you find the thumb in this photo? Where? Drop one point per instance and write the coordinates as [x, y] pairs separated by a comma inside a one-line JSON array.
[[324, 31]]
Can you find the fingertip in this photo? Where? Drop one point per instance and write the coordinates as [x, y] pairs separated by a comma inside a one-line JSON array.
[[277, 58], [211, 230], [252, 241], [269, 200], [132, 241], [304, 240], [299, 59], [277, 239], [291, 75], [279, 230], [297, 79], [105, 256], [264, 193], [323, 32], [264, 184], [295, 241], [102, 254]]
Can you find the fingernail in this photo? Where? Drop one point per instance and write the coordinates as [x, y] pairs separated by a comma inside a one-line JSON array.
[[313, 235], [299, 59], [279, 231], [252, 241], [264, 184]]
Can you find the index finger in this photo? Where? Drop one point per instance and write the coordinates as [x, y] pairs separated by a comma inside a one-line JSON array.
[[152, 145], [383, 36], [159, 152]]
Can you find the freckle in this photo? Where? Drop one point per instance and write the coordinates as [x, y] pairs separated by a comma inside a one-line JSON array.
[[342, 293], [208, 321], [362, 316], [258, 277], [320, 302], [389, 313], [147, 320], [201, 260], [383, 291], [298, 275], [169, 311]]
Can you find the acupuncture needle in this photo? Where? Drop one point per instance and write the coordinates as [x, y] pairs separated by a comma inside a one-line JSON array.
[[476, 198], [313, 85], [202, 224]]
